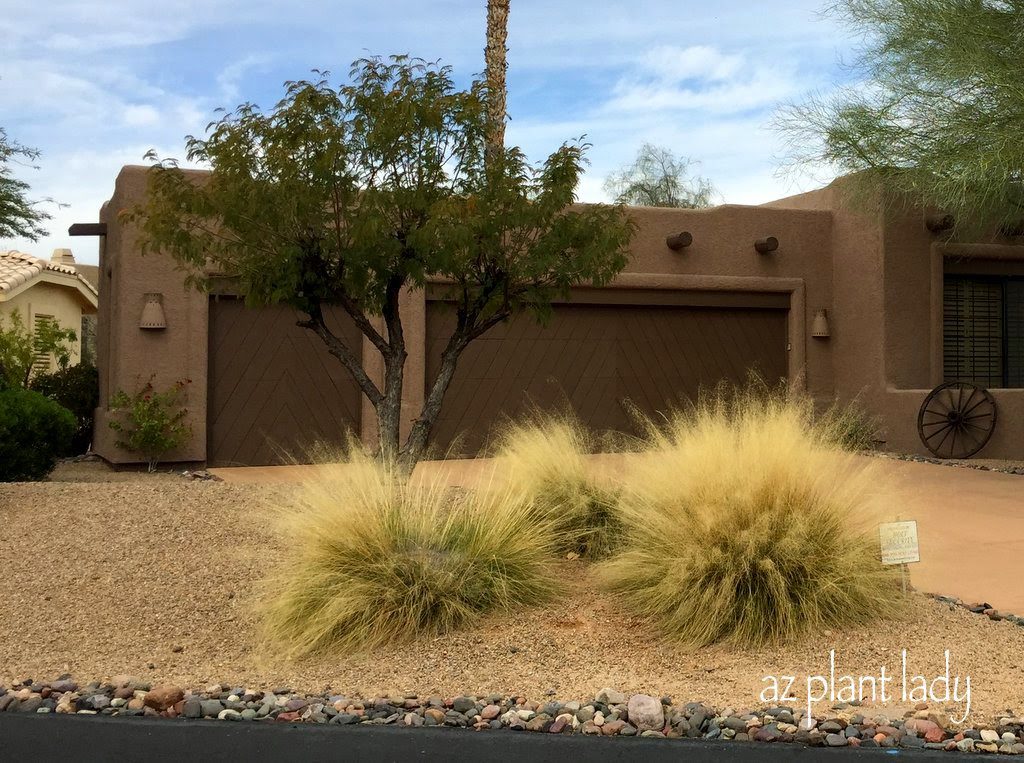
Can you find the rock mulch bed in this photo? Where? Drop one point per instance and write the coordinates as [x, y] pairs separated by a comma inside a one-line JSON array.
[[610, 713]]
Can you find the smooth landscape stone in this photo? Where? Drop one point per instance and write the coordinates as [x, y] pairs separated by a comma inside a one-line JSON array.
[[611, 697], [646, 713]]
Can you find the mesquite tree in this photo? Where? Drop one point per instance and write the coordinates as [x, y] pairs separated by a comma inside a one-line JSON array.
[[937, 112], [349, 195], [656, 178], [19, 215]]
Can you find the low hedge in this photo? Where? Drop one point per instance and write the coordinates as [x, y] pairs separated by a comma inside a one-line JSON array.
[[77, 388], [34, 432]]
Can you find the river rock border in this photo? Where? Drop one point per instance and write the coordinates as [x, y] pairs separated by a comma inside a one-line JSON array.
[[978, 608], [610, 713], [957, 462]]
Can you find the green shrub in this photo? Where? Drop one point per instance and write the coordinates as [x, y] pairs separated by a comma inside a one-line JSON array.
[[153, 421], [546, 458], [77, 389], [34, 432], [748, 524], [373, 559], [21, 345]]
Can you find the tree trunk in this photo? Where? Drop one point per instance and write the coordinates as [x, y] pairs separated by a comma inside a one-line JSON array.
[[389, 411], [495, 64], [416, 443]]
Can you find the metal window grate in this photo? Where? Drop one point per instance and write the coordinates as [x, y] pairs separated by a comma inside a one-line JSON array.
[[1014, 333], [983, 330]]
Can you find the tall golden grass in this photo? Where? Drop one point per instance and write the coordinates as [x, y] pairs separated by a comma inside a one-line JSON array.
[[376, 559], [748, 524], [546, 458]]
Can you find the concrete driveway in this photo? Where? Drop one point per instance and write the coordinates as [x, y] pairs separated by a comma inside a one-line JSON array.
[[970, 522], [971, 529]]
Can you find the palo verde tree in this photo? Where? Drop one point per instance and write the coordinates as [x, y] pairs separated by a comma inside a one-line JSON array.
[[657, 178], [350, 195], [936, 112], [20, 217]]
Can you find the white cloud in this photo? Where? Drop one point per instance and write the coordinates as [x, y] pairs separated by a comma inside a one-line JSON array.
[[670, 63], [139, 116]]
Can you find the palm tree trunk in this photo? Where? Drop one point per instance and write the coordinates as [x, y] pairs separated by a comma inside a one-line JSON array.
[[495, 64]]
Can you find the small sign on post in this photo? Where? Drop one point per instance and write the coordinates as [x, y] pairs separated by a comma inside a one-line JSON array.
[[899, 545]]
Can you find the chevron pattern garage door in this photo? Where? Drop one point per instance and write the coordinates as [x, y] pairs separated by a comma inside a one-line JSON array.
[[593, 357], [273, 388]]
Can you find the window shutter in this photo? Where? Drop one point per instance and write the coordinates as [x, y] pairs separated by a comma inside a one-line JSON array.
[[41, 361]]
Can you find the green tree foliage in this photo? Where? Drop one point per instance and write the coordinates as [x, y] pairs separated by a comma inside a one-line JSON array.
[[19, 346], [937, 113], [19, 216], [657, 178], [349, 195]]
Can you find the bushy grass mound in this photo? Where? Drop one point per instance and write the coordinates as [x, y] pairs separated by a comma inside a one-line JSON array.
[[374, 559], [748, 524], [545, 457]]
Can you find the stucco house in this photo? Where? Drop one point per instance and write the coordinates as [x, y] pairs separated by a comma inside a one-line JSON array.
[[53, 289], [848, 303]]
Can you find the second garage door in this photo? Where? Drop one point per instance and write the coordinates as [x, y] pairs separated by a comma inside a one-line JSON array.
[[593, 357]]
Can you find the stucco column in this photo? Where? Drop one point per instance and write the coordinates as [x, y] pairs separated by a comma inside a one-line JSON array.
[[412, 309]]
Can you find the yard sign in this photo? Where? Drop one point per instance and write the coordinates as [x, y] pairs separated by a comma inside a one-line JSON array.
[[899, 542]]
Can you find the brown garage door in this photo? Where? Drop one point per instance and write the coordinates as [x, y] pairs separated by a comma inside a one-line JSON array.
[[592, 357], [273, 388]]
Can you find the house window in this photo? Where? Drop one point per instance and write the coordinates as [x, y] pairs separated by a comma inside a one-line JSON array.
[[983, 330]]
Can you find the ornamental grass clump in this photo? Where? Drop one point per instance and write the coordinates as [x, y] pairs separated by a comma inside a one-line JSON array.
[[748, 524], [546, 457], [375, 559]]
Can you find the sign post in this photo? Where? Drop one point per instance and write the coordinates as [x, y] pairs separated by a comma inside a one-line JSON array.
[[899, 545]]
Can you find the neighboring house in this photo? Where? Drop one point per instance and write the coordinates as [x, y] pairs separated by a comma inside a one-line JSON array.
[[878, 307], [51, 289]]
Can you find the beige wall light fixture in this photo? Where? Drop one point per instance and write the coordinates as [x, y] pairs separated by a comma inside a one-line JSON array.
[[819, 326], [153, 312]]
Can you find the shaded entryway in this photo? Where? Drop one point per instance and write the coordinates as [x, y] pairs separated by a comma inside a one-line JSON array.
[[592, 357], [273, 387]]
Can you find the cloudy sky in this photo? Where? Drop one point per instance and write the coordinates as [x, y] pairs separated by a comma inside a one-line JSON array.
[[94, 84]]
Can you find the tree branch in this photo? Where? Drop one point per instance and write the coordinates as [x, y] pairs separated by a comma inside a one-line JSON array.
[[341, 351]]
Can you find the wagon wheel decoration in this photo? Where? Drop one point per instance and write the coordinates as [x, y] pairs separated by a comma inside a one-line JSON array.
[[956, 420]]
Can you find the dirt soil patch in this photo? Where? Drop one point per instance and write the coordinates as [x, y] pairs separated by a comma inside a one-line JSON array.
[[158, 577]]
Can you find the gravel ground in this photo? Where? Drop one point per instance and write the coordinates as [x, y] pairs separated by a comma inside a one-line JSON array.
[[156, 576]]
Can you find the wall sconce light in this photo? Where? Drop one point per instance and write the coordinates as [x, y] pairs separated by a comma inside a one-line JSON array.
[[153, 312], [819, 328], [766, 245], [678, 241]]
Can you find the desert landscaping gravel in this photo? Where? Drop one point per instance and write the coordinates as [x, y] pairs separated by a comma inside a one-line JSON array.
[[157, 578]]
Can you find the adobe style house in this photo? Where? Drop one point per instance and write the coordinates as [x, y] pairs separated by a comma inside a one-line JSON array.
[[49, 290], [875, 306]]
